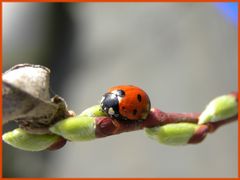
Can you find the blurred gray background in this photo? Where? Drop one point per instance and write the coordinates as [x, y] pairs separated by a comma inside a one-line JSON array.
[[182, 54]]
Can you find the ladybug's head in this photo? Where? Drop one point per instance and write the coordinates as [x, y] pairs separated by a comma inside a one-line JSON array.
[[110, 104]]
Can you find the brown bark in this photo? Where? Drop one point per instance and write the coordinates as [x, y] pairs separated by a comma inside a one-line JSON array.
[[106, 126]]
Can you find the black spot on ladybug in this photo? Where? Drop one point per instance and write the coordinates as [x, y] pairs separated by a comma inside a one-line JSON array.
[[121, 93], [134, 112], [139, 97]]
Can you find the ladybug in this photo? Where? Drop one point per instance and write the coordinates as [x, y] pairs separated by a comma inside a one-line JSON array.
[[126, 102]]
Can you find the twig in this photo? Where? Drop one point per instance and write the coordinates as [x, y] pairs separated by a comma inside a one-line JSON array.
[[106, 126]]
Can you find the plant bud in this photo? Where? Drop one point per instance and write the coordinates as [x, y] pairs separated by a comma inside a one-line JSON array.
[[20, 139], [220, 108], [94, 111], [172, 134], [78, 128]]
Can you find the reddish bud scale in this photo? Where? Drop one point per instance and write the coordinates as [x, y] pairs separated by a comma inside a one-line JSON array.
[[235, 94], [215, 125], [199, 135], [57, 145]]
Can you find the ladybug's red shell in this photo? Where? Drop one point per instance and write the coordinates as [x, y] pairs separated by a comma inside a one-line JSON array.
[[126, 103]]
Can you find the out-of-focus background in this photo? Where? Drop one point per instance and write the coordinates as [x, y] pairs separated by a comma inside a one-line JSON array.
[[181, 54]]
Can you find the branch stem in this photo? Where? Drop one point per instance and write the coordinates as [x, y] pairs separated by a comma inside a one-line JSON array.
[[106, 126]]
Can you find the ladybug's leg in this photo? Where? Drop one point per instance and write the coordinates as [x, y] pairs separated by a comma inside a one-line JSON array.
[[117, 125]]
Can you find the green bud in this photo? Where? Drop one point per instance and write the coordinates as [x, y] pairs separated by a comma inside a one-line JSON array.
[[172, 134], [94, 111], [78, 128], [20, 139], [220, 108]]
